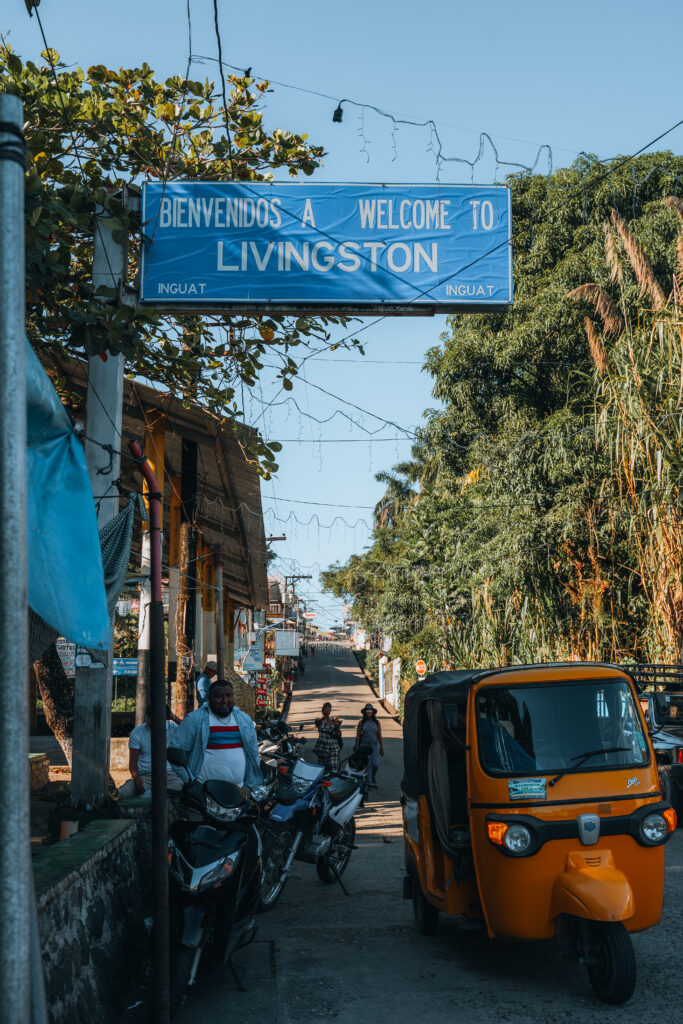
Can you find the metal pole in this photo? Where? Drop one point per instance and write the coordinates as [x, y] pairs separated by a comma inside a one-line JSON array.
[[93, 684], [15, 857], [220, 625], [157, 680], [142, 680]]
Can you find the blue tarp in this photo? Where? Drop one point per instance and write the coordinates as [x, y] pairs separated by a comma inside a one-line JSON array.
[[66, 579]]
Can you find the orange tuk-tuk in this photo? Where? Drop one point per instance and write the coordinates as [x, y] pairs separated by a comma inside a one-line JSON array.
[[531, 804]]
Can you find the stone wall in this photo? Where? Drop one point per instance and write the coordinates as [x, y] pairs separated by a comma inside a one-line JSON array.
[[40, 771], [89, 891]]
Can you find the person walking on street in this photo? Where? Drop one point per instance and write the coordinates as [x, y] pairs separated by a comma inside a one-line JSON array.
[[329, 740], [204, 680], [369, 733]]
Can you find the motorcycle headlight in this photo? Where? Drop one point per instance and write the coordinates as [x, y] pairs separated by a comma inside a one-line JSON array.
[[654, 828], [221, 813], [517, 839], [219, 872], [300, 786], [259, 793]]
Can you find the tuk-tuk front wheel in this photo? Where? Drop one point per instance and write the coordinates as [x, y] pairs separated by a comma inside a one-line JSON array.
[[612, 970], [426, 915]]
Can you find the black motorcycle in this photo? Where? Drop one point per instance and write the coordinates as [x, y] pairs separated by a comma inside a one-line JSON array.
[[215, 876]]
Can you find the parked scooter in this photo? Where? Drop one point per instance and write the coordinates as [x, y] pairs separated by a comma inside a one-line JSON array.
[[214, 854], [312, 821], [357, 767], [274, 736]]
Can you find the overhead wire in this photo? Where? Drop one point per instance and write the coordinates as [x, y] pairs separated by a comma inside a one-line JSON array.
[[493, 249], [248, 73], [225, 100]]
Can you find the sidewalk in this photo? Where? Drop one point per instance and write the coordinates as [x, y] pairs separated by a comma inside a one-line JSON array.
[[315, 946]]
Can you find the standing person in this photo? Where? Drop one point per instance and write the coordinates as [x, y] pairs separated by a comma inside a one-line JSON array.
[[369, 733], [204, 680], [329, 740], [313, 650], [140, 759], [221, 740]]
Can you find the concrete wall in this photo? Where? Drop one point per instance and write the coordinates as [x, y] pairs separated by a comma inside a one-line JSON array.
[[90, 910]]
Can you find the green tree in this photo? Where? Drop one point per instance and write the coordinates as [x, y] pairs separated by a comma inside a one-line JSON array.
[[102, 129], [538, 532]]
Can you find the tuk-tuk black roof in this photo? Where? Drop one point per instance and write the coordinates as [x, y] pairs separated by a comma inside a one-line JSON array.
[[451, 688], [445, 687]]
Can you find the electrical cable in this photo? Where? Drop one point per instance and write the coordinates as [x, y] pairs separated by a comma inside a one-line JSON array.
[[225, 100], [390, 114]]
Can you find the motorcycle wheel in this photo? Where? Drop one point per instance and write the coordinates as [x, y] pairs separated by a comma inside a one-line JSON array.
[[613, 974], [182, 959], [276, 847], [334, 865]]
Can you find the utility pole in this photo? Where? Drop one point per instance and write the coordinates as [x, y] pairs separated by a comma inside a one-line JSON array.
[[157, 678], [220, 625], [173, 548], [155, 436], [15, 857], [183, 691], [293, 579], [93, 684]]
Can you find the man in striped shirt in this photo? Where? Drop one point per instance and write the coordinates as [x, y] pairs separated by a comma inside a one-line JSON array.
[[220, 739], [224, 756]]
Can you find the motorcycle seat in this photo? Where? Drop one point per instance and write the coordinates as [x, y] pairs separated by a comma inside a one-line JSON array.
[[340, 790]]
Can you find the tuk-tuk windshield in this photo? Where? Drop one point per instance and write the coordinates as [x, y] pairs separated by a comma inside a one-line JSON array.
[[559, 727]]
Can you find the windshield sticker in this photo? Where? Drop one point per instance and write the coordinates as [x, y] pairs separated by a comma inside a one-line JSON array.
[[527, 789]]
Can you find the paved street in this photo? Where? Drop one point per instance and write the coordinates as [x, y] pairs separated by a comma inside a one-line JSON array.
[[321, 955]]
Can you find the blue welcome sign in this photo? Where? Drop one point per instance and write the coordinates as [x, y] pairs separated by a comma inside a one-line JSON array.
[[252, 246]]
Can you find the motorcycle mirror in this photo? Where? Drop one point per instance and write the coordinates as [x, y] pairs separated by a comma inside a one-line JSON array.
[[178, 757]]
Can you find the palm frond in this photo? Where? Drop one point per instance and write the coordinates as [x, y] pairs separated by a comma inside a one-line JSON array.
[[603, 305], [612, 256], [674, 203], [641, 267], [596, 346]]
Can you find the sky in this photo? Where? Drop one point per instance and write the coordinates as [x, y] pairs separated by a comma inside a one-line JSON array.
[[598, 77]]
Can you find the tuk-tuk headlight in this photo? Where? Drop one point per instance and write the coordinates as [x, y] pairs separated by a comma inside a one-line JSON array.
[[654, 828], [517, 839]]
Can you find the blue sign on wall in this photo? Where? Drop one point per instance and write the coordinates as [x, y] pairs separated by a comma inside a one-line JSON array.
[[125, 666], [355, 248]]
